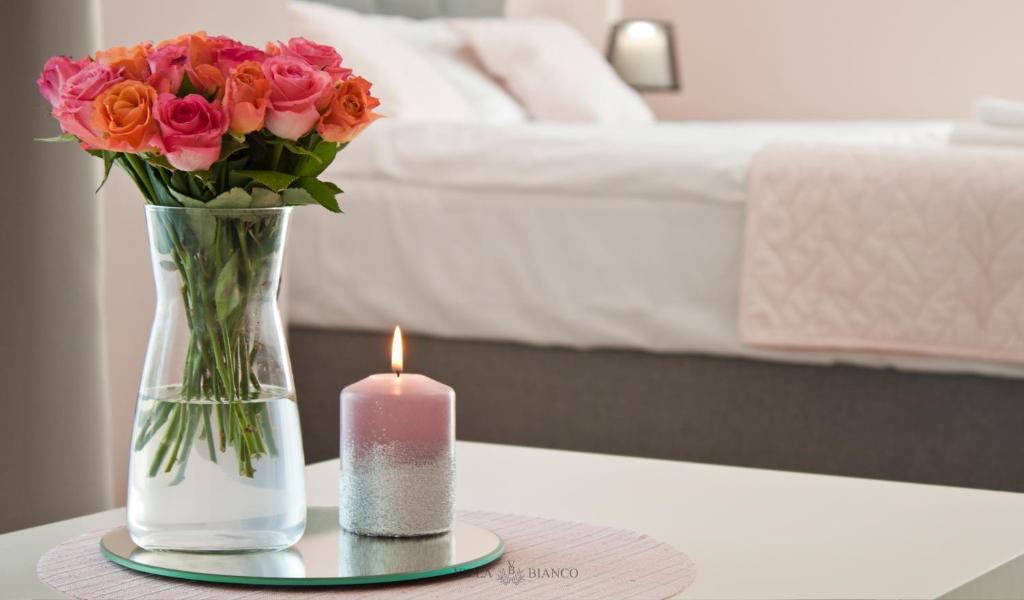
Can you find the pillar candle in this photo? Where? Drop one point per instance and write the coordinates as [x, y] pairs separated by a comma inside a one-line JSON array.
[[397, 454]]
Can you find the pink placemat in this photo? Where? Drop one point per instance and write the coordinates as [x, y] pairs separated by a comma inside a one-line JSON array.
[[543, 559]]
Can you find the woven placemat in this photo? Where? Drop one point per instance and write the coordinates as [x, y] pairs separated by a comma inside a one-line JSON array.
[[543, 559]]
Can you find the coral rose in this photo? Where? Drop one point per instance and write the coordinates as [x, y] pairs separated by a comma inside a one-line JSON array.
[[295, 90], [191, 128], [350, 111], [56, 71], [75, 110], [129, 61], [123, 117], [246, 94], [318, 56]]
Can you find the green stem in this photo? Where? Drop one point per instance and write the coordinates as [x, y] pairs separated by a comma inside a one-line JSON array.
[[143, 177], [276, 156], [208, 432]]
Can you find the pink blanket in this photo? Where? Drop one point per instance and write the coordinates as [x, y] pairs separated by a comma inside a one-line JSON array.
[[894, 250]]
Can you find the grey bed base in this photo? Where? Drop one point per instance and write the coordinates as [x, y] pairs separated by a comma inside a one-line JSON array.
[[958, 430]]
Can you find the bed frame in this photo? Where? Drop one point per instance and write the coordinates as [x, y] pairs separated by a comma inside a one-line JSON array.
[[961, 430]]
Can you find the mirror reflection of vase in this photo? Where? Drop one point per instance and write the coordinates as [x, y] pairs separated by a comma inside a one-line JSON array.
[[360, 555], [287, 563]]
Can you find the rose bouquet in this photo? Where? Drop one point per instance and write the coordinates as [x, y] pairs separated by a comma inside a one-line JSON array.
[[222, 132]]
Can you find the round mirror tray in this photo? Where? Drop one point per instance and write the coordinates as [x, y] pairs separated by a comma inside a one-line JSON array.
[[326, 555]]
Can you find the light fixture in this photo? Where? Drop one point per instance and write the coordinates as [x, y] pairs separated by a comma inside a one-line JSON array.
[[642, 52]]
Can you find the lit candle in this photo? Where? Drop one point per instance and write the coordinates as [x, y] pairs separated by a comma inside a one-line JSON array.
[[397, 453]]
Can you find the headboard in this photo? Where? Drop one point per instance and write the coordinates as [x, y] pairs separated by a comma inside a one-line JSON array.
[[425, 9]]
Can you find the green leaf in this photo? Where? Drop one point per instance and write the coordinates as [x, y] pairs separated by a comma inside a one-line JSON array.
[[108, 157], [193, 187], [323, 154], [186, 86], [230, 146], [233, 198], [297, 197], [204, 225], [206, 178], [162, 190], [264, 198], [186, 201], [64, 137], [321, 192], [227, 296], [163, 235], [334, 188], [275, 180], [294, 148], [158, 160]]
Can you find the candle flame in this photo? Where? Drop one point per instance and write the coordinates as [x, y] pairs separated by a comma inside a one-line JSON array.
[[396, 351]]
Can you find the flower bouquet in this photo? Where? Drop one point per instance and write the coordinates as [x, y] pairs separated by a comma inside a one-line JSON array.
[[221, 138]]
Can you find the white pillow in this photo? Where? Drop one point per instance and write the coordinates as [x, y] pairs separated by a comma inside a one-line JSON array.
[[447, 52], [553, 71], [408, 86]]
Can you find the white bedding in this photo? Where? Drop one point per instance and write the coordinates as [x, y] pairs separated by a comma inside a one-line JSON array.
[[566, 235]]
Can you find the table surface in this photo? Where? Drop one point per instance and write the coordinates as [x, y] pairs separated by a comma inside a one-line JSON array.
[[752, 533]]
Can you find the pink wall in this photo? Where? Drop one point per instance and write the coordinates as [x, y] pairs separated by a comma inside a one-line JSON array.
[[838, 59]]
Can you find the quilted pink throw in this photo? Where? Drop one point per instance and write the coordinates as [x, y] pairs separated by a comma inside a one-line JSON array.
[[886, 249]]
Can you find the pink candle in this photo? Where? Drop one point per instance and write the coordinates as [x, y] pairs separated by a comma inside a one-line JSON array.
[[397, 453]]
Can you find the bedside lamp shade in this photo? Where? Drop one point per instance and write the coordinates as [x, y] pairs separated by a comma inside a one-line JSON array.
[[642, 53]]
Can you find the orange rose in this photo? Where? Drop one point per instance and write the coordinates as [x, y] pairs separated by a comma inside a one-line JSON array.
[[246, 95], [349, 112], [130, 61], [180, 40], [123, 117], [204, 74]]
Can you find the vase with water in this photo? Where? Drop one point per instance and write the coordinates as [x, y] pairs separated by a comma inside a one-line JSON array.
[[216, 458]]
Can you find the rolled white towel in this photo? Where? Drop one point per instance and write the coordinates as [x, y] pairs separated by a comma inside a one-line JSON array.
[[980, 134], [999, 112]]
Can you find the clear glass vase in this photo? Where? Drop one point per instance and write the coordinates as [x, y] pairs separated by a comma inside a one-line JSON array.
[[216, 457]]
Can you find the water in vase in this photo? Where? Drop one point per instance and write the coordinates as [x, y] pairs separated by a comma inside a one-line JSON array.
[[216, 476]]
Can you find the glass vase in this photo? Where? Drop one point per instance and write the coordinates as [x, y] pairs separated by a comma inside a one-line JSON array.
[[216, 457]]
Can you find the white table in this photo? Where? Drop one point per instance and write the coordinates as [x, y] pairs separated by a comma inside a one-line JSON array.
[[752, 533]]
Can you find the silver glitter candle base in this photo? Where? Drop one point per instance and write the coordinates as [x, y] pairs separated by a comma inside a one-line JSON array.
[[396, 490]]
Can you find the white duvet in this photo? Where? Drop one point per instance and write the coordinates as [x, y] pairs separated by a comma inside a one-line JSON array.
[[706, 161], [567, 235]]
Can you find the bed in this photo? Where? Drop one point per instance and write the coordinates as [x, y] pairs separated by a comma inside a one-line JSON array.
[[578, 285]]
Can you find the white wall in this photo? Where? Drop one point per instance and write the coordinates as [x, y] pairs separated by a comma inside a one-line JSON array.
[[128, 289]]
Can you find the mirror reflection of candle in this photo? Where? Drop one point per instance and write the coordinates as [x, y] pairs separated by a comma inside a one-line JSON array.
[[397, 453], [359, 555]]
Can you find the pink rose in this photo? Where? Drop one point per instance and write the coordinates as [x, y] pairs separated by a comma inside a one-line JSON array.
[[233, 53], [318, 56], [168, 66], [191, 129], [76, 101], [56, 71], [295, 90]]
